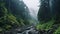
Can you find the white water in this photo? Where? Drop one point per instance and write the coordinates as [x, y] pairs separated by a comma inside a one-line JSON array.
[[33, 6]]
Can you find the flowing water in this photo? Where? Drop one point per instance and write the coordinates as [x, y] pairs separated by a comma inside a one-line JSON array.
[[33, 9], [33, 6]]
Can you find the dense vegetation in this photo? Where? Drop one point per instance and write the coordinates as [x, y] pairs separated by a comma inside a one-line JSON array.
[[14, 13], [49, 16]]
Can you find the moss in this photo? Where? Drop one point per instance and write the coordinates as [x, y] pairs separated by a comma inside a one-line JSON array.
[[8, 27], [45, 26], [57, 31], [7, 19], [12, 18], [1, 29]]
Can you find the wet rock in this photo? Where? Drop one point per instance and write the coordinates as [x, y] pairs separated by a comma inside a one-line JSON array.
[[22, 30], [42, 32]]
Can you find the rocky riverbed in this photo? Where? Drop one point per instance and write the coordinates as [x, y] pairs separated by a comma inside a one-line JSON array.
[[22, 30], [29, 30]]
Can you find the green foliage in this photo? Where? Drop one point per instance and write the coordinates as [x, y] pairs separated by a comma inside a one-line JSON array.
[[7, 19], [21, 22], [7, 27], [57, 31], [45, 26], [1, 29], [12, 19], [13, 14]]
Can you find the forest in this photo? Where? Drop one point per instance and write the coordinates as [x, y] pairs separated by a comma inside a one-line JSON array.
[[16, 19]]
